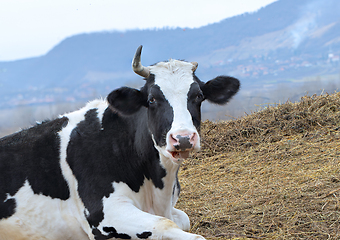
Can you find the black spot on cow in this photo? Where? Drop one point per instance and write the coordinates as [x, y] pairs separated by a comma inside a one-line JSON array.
[[195, 99], [118, 149], [144, 235], [128, 101], [111, 233], [33, 155], [160, 115], [7, 208]]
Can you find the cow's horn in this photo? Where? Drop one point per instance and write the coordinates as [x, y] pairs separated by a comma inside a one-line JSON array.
[[195, 66], [137, 65]]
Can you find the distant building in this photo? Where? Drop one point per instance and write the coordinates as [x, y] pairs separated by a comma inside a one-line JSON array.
[[333, 58]]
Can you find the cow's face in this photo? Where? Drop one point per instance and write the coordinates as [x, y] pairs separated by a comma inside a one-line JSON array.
[[174, 100], [173, 96]]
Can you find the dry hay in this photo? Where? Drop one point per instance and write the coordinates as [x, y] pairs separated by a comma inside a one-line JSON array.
[[274, 174]]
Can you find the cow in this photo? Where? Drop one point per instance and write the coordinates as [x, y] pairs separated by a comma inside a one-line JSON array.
[[109, 170]]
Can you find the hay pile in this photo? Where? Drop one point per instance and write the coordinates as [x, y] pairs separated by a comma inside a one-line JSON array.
[[274, 174]]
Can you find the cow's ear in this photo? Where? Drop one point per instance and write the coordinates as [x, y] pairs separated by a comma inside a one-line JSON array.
[[220, 89], [126, 100]]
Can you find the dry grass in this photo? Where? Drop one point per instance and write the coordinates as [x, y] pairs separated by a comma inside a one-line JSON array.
[[274, 174]]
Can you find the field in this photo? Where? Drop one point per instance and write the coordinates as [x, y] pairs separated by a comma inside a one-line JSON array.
[[273, 174]]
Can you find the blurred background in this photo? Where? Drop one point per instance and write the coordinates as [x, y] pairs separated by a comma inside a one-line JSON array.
[[57, 55]]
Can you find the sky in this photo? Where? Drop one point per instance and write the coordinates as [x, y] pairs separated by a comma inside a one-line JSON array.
[[30, 28]]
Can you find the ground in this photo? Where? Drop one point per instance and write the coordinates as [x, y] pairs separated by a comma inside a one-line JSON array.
[[273, 174]]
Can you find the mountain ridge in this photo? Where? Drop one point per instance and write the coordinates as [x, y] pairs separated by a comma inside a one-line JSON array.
[[249, 46]]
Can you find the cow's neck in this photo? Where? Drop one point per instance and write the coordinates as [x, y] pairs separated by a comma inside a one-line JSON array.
[[164, 199], [161, 200], [171, 172]]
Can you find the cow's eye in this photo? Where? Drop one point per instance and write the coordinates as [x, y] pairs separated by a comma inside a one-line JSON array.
[[152, 100], [199, 97]]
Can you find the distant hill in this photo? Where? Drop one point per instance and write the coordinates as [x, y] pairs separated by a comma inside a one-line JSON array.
[[288, 39]]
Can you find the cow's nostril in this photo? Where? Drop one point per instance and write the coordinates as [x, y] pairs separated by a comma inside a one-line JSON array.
[[173, 140], [193, 138]]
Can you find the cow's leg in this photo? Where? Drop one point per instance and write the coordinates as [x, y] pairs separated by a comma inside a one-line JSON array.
[[181, 219], [123, 220]]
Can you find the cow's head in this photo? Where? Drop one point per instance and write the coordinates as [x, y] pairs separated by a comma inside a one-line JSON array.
[[172, 95]]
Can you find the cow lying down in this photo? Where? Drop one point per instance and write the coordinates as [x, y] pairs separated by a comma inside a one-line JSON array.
[[109, 170]]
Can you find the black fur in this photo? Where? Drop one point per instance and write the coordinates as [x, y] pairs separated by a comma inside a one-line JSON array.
[[160, 113], [126, 100], [112, 233], [195, 99], [120, 152], [32, 155], [220, 89], [118, 149], [7, 208], [144, 235]]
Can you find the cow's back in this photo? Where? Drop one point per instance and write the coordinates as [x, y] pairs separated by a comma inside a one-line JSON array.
[[31, 156]]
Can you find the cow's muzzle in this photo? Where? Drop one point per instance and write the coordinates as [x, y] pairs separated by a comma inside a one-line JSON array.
[[181, 144]]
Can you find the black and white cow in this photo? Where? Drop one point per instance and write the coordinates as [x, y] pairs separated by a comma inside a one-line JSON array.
[[109, 170]]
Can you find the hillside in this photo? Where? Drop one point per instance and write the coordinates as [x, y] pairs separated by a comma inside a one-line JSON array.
[[285, 40], [273, 174]]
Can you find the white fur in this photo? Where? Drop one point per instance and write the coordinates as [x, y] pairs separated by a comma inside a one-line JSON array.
[[40, 217], [78, 207], [174, 79], [143, 211], [151, 209]]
